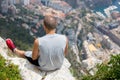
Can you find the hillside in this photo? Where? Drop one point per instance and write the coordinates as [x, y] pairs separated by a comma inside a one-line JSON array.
[[93, 36]]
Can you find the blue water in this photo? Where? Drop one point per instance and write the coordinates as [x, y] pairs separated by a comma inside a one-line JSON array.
[[116, 4], [101, 9]]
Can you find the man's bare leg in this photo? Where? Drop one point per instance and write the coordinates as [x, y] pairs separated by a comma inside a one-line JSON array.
[[20, 53]]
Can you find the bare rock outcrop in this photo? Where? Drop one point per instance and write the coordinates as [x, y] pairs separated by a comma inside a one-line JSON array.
[[31, 72]]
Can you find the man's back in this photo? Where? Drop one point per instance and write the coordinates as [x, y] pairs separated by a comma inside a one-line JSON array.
[[52, 47], [48, 51]]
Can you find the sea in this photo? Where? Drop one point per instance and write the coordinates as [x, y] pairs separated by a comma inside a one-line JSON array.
[[101, 9]]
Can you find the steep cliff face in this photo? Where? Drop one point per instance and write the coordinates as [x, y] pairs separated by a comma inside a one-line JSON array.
[[30, 72]]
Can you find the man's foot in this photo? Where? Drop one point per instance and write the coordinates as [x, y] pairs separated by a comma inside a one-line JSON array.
[[10, 44]]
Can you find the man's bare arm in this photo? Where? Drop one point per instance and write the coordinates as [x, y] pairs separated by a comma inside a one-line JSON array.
[[66, 48], [35, 50]]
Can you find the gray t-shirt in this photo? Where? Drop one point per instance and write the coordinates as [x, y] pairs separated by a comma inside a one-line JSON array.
[[51, 51]]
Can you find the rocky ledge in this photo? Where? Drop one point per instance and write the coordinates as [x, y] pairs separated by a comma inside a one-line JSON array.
[[31, 72]]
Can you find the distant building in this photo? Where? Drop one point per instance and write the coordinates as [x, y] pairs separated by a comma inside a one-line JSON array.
[[17, 1], [115, 14], [25, 26], [102, 29], [85, 50], [97, 3], [88, 49], [33, 1], [45, 2], [115, 37], [12, 10], [90, 37], [60, 5], [113, 25], [25, 2], [11, 2], [106, 42], [0, 5], [4, 6]]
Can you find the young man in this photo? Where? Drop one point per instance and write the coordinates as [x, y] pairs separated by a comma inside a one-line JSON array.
[[48, 51]]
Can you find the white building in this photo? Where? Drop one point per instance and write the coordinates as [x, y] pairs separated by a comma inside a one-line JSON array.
[[17, 1], [25, 2], [12, 2], [4, 6], [107, 42], [60, 5]]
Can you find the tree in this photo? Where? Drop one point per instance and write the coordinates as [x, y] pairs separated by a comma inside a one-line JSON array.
[[110, 71]]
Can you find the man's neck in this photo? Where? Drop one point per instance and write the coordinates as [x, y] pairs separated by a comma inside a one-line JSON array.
[[50, 32]]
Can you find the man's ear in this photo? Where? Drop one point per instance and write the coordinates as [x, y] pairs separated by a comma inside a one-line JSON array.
[[44, 27]]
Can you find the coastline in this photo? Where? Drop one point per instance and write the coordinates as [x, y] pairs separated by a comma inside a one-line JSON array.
[[106, 11]]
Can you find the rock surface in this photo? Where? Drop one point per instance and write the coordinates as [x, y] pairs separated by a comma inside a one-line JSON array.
[[30, 72]]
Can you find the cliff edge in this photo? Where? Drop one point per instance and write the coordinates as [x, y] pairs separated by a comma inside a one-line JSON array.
[[30, 72]]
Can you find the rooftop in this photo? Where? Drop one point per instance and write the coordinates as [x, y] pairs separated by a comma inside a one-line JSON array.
[[92, 48], [62, 3], [116, 31]]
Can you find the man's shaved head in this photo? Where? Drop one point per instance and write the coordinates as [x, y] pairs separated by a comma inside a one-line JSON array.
[[50, 22]]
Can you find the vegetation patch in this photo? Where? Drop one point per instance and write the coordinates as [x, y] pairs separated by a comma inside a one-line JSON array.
[[110, 71], [8, 71]]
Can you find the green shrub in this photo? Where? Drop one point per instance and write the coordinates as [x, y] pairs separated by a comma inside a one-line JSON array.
[[110, 71], [8, 71]]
